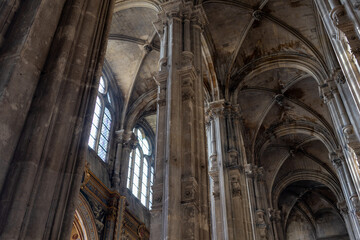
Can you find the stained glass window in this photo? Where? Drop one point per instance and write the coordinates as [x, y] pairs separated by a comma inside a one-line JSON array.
[[101, 123]]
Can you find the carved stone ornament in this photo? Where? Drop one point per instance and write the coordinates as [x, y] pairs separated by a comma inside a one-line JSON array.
[[188, 190], [86, 176], [261, 223], [258, 15], [99, 215], [339, 77], [356, 205], [142, 231], [342, 207], [233, 157], [235, 186]]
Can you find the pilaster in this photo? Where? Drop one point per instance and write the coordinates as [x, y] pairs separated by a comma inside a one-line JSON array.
[[180, 192]]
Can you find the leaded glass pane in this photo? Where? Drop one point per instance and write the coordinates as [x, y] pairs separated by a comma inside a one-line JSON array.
[[143, 199], [102, 86], [108, 97], [101, 153], [91, 142]]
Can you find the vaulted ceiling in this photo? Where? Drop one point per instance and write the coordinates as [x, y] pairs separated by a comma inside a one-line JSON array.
[[268, 57]]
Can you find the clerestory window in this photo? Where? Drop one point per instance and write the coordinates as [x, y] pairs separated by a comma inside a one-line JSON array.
[[101, 122], [140, 172]]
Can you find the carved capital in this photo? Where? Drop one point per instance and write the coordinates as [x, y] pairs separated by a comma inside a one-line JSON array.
[[326, 93], [342, 207], [198, 16], [356, 205], [250, 170], [222, 109], [336, 159], [339, 77], [274, 215]]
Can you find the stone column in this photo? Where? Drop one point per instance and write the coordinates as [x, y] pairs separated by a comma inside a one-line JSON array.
[[229, 200], [342, 29], [183, 210], [349, 194], [255, 176], [217, 157], [275, 218], [344, 211], [42, 185], [346, 26], [157, 202]]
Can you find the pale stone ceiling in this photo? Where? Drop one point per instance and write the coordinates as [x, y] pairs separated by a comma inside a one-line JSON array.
[[252, 49]]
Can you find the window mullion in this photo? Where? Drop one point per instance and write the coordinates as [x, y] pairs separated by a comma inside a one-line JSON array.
[[132, 169], [141, 174], [101, 118], [148, 186]]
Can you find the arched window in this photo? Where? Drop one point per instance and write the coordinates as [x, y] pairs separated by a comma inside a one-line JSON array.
[[101, 123], [140, 172]]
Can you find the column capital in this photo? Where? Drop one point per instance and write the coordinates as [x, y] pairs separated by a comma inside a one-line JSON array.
[[336, 158], [222, 108], [342, 207], [250, 170], [180, 9], [126, 138], [338, 76], [274, 214]]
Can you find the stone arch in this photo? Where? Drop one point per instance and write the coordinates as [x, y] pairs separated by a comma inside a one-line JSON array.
[[152, 4], [300, 175], [86, 219], [267, 63]]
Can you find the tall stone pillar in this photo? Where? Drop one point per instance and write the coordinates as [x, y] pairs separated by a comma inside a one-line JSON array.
[[349, 193], [255, 178], [42, 183], [230, 207], [180, 188]]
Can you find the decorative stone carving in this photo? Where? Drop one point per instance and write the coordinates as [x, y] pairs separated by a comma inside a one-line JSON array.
[[235, 186], [356, 205], [99, 215], [342, 207], [222, 108], [160, 80], [345, 24], [339, 77], [250, 170], [261, 223], [214, 174], [189, 213], [157, 196], [86, 177], [188, 190], [233, 157], [258, 15], [274, 215], [126, 138], [148, 48]]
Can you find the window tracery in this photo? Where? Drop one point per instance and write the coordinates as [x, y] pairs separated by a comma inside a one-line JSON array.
[[140, 171], [101, 122]]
